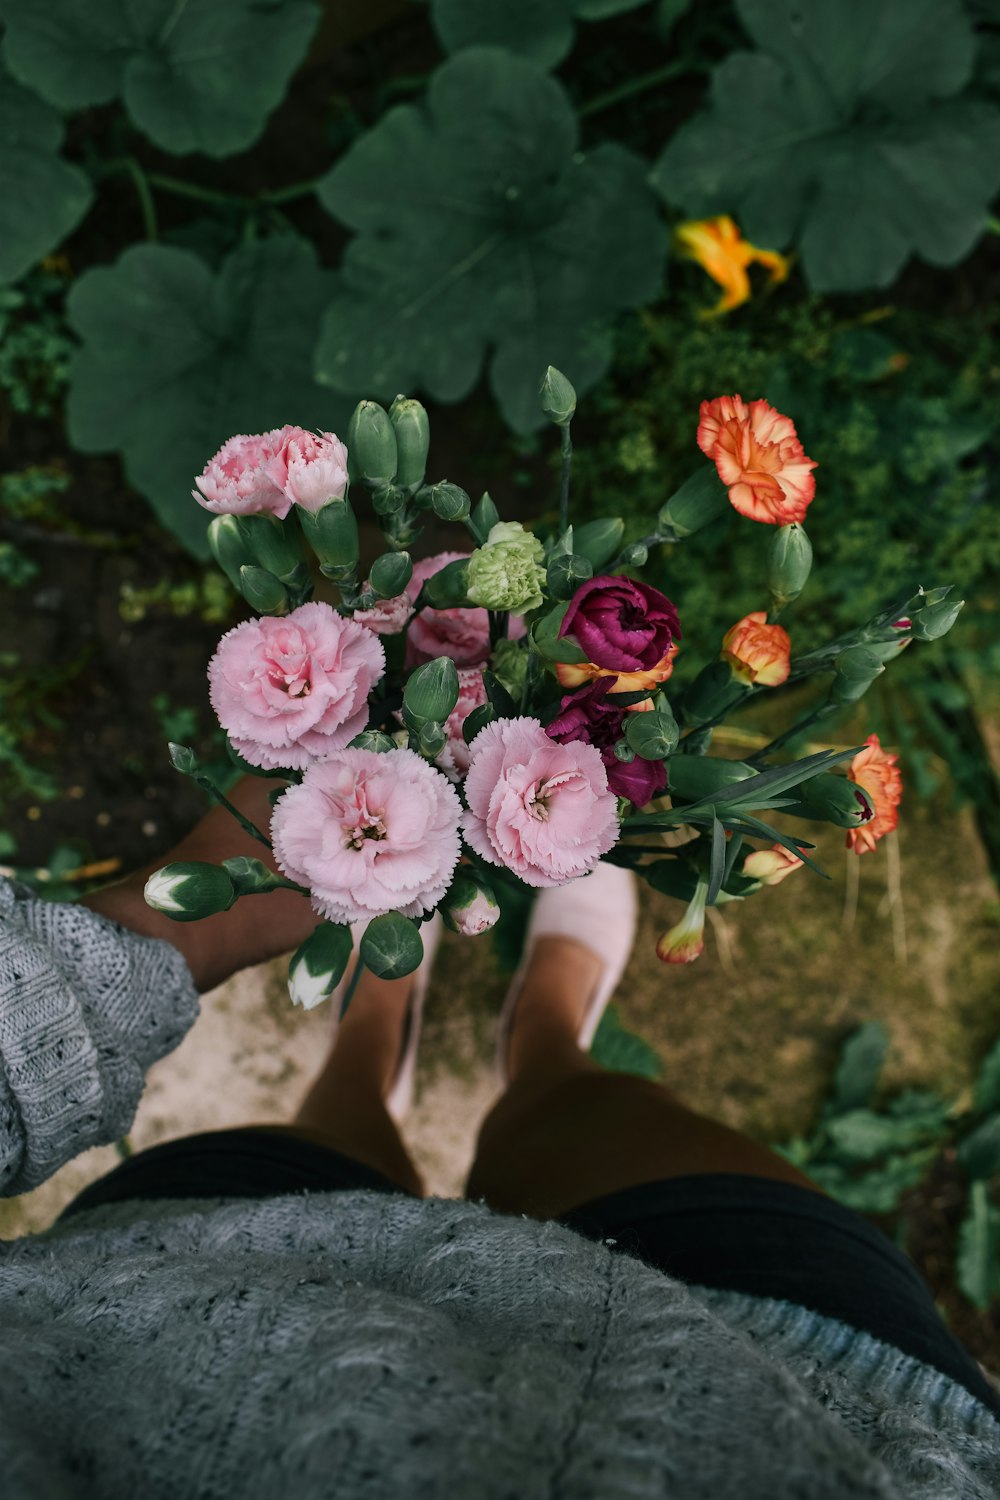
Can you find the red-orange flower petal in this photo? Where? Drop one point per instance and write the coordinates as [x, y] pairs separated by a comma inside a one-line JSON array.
[[757, 652], [879, 776], [759, 458]]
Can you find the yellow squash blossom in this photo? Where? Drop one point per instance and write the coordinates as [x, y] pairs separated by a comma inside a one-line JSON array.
[[718, 246]]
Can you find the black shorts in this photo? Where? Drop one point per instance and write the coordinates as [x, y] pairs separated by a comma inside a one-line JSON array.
[[730, 1231]]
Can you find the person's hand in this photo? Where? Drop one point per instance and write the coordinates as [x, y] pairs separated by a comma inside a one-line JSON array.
[[255, 929]]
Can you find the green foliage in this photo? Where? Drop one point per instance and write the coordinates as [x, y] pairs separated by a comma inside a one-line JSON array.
[[35, 344], [481, 230], [25, 714], [868, 1157], [16, 570], [209, 597], [201, 76], [621, 1051], [42, 197], [176, 359], [542, 32], [847, 115]]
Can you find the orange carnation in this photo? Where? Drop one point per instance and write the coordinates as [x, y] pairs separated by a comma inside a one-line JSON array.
[[757, 652], [573, 674], [759, 458], [878, 774], [720, 249]]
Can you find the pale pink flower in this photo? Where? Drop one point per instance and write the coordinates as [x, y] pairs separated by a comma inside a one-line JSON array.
[[388, 616], [309, 468], [454, 758], [287, 690], [771, 866], [369, 833], [462, 634], [236, 481], [537, 807]]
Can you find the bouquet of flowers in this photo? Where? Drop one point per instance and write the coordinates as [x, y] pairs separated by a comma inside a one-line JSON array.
[[503, 713]]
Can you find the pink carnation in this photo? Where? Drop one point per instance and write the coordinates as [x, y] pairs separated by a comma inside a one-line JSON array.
[[454, 758], [287, 690], [537, 807], [388, 616], [309, 468], [236, 479], [369, 833], [462, 634]]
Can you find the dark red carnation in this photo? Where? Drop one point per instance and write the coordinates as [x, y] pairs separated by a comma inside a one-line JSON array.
[[622, 625], [592, 716]]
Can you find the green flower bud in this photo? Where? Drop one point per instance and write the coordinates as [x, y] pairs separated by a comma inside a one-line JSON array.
[[332, 533], [449, 501], [935, 620], [853, 674], [558, 397], [390, 574], [183, 759], [391, 947], [695, 778], [832, 799], [190, 890], [653, 734], [372, 739], [263, 592], [470, 907], [599, 540], [228, 537], [389, 501], [788, 564], [448, 587], [251, 877], [509, 660], [431, 692], [431, 740], [635, 555], [700, 499], [565, 573], [507, 572], [276, 545], [624, 752], [483, 518], [371, 445], [413, 439], [317, 967]]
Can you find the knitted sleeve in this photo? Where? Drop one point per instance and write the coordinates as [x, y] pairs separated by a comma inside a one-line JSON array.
[[85, 1008]]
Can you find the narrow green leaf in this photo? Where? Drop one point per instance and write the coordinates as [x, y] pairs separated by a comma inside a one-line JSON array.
[[977, 1262], [717, 867]]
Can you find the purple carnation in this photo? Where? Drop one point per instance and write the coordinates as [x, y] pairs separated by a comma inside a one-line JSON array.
[[622, 625], [591, 715]]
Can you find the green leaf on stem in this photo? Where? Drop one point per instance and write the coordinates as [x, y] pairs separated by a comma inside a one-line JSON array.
[[717, 862], [978, 1260]]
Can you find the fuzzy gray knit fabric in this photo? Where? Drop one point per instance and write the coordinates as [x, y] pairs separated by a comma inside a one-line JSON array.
[[367, 1345]]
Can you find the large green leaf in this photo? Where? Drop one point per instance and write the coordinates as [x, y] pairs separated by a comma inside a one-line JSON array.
[[176, 359], [544, 32], [41, 197], [863, 1135], [878, 1190], [978, 1260], [480, 227], [195, 75], [979, 1151], [622, 1051], [842, 133], [987, 1095], [858, 1071]]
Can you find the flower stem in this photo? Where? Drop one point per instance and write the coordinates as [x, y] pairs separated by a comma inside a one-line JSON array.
[[145, 196], [822, 712], [567, 460], [634, 86], [352, 985], [208, 785]]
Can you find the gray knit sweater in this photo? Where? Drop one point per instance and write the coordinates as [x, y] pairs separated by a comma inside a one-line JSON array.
[[358, 1344]]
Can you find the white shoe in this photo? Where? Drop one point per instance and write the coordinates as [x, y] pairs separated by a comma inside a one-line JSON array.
[[598, 911]]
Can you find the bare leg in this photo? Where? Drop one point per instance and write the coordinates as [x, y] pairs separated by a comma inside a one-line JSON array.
[[344, 1109], [566, 1131]]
